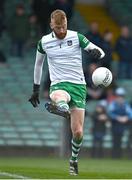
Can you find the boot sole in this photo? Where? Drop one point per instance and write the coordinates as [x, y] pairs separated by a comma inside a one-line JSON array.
[[52, 108]]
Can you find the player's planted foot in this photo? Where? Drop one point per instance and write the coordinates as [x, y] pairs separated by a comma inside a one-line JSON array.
[[73, 168], [58, 109]]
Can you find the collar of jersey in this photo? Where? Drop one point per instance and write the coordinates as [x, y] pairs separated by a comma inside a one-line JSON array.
[[53, 34]]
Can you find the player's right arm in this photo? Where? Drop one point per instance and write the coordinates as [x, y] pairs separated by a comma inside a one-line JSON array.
[[40, 56]]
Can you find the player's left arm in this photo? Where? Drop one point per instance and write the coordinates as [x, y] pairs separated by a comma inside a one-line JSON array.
[[40, 56], [94, 50]]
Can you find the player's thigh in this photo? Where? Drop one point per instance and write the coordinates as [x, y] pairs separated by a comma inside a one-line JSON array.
[[77, 119], [78, 96]]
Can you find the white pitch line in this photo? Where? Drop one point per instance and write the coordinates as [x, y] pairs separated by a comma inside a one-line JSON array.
[[17, 176]]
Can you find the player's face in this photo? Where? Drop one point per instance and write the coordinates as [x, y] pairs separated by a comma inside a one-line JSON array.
[[60, 30]]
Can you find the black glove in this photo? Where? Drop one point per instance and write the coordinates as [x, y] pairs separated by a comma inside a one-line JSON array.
[[35, 96], [95, 53]]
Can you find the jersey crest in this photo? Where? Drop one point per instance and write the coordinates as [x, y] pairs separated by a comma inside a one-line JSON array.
[[69, 43]]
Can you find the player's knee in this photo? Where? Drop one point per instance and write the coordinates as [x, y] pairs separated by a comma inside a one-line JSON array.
[[78, 133], [59, 95], [55, 96]]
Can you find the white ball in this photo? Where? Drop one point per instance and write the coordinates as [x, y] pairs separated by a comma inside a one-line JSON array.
[[102, 76]]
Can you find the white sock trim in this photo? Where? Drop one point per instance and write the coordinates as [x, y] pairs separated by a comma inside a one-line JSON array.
[[76, 150], [75, 144], [74, 155]]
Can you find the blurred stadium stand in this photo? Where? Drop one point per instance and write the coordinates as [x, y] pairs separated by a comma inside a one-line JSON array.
[[120, 11], [20, 124], [23, 126], [101, 16], [82, 26]]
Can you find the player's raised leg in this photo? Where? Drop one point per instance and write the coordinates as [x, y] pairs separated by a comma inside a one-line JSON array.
[[77, 121], [59, 103]]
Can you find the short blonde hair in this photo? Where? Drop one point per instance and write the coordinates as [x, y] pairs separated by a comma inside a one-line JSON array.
[[59, 16]]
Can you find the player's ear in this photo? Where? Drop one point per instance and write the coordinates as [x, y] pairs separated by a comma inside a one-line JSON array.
[[51, 25]]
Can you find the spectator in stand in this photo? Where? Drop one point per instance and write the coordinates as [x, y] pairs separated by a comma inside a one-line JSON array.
[[19, 31], [3, 59], [110, 91], [94, 36], [99, 118], [34, 31], [110, 94], [43, 9], [129, 142], [66, 6], [2, 4], [2, 26], [46, 86], [123, 48], [120, 113], [107, 47]]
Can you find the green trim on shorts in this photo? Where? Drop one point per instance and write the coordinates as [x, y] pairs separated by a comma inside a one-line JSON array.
[[76, 91]]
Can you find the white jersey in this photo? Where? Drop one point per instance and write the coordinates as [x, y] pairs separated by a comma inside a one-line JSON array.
[[64, 57]]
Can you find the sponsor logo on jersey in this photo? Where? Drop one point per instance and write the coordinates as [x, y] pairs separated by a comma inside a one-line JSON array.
[[69, 43], [48, 47], [85, 40]]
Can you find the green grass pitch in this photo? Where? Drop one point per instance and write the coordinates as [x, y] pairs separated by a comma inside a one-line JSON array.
[[55, 168]]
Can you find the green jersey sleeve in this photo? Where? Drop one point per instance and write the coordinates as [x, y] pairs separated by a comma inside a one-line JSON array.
[[83, 40], [40, 48]]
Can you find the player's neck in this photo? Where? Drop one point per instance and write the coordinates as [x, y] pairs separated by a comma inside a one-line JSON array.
[[54, 35]]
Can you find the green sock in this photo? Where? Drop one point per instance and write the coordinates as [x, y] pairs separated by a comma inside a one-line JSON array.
[[63, 104], [76, 145]]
